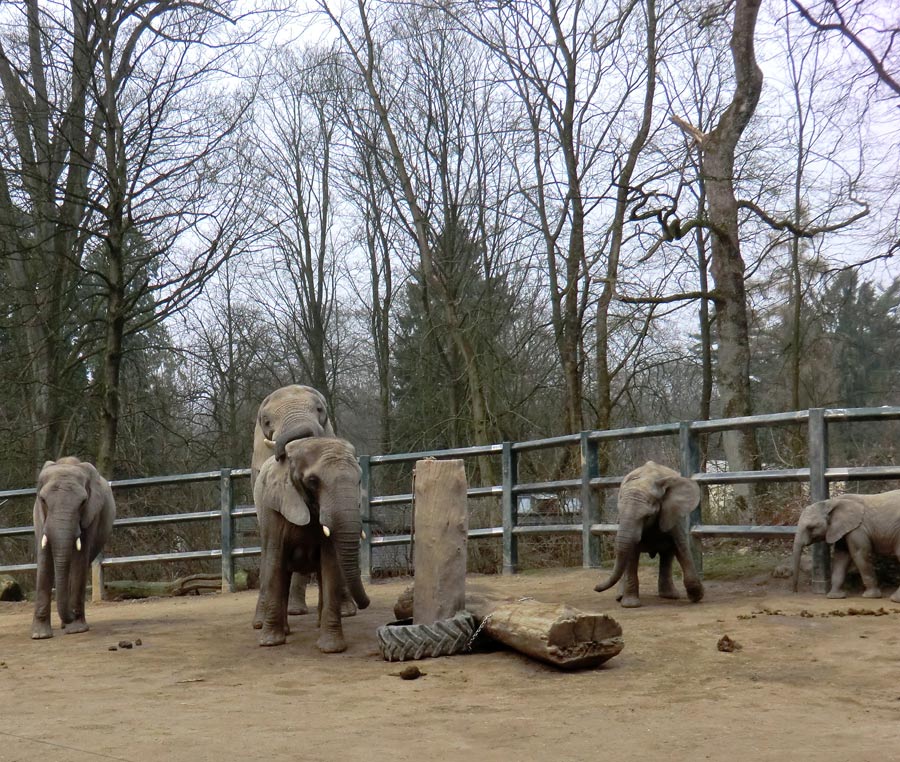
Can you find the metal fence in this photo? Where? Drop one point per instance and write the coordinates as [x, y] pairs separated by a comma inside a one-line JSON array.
[[818, 473]]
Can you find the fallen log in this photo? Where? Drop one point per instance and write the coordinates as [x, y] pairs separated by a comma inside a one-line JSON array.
[[554, 633], [195, 584]]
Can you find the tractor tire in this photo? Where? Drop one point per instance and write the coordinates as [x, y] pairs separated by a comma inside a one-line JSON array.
[[445, 637]]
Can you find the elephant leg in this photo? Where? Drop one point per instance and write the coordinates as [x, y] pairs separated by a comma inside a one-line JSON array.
[[666, 585], [692, 582], [861, 551], [77, 590], [297, 600], [839, 563], [348, 605], [40, 625], [331, 634], [896, 596], [273, 586], [629, 588]]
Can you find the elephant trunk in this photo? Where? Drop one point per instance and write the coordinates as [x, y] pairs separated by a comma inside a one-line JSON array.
[[341, 516], [800, 541], [62, 544], [293, 430], [348, 557], [626, 546]]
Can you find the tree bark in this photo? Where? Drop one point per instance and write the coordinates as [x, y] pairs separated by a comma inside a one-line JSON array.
[[554, 633], [717, 171]]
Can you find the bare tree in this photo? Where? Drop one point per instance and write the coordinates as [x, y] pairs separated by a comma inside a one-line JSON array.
[[119, 119]]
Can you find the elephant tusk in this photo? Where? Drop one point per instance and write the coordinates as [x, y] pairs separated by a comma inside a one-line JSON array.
[[269, 442], [77, 543], [44, 542], [326, 531], [362, 534]]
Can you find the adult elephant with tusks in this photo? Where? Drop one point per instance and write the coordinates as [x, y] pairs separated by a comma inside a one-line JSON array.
[[307, 501], [285, 415], [653, 503], [73, 516]]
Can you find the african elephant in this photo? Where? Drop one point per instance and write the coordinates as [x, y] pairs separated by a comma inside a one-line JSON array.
[[857, 525], [307, 502], [284, 415], [653, 501], [74, 512]]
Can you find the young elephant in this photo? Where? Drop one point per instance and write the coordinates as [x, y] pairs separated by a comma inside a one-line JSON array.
[[307, 502], [74, 512], [653, 501], [288, 413], [857, 525]]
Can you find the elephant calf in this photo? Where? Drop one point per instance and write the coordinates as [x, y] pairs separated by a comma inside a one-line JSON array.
[[858, 526], [653, 501], [74, 512]]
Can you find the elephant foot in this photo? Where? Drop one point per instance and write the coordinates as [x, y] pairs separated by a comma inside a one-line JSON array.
[[695, 593], [41, 630], [670, 594], [836, 594], [630, 602], [896, 597], [872, 592], [78, 625], [329, 643], [348, 608], [297, 609], [272, 638]]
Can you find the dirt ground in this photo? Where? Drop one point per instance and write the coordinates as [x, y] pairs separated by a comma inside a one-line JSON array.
[[802, 687]]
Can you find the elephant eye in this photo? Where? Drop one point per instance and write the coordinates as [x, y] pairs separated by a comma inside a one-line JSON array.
[[311, 481]]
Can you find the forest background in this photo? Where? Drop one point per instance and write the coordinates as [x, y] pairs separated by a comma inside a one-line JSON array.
[[463, 222]]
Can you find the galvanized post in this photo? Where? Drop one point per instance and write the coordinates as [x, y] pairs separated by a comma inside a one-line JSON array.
[[508, 508], [817, 444], [689, 452], [365, 512], [590, 545], [226, 505]]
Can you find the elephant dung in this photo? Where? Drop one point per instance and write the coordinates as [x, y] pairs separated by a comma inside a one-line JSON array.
[[554, 633]]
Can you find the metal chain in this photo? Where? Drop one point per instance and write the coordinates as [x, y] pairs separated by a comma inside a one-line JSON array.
[[471, 640]]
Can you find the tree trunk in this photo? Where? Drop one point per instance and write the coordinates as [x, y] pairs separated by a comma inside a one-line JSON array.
[[554, 633], [717, 170]]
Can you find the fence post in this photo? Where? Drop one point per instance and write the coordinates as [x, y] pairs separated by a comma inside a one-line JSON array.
[[508, 508], [689, 451], [590, 545], [98, 591], [365, 513], [817, 445], [226, 505]]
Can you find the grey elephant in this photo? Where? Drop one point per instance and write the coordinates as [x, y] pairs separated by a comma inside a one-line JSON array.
[[74, 513], [283, 416], [307, 502], [653, 502], [858, 526]]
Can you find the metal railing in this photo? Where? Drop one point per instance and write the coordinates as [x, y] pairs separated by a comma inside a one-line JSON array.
[[688, 433]]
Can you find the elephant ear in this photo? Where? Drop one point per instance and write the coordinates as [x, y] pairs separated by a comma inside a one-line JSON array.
[[274, 491], [844, 515], [99, 495], [679, 497]]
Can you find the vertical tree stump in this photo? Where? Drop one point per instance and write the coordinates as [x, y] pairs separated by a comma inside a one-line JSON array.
[[441, 526]]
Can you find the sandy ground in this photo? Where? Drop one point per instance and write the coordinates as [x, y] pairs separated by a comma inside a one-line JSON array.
[[199, 688]]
